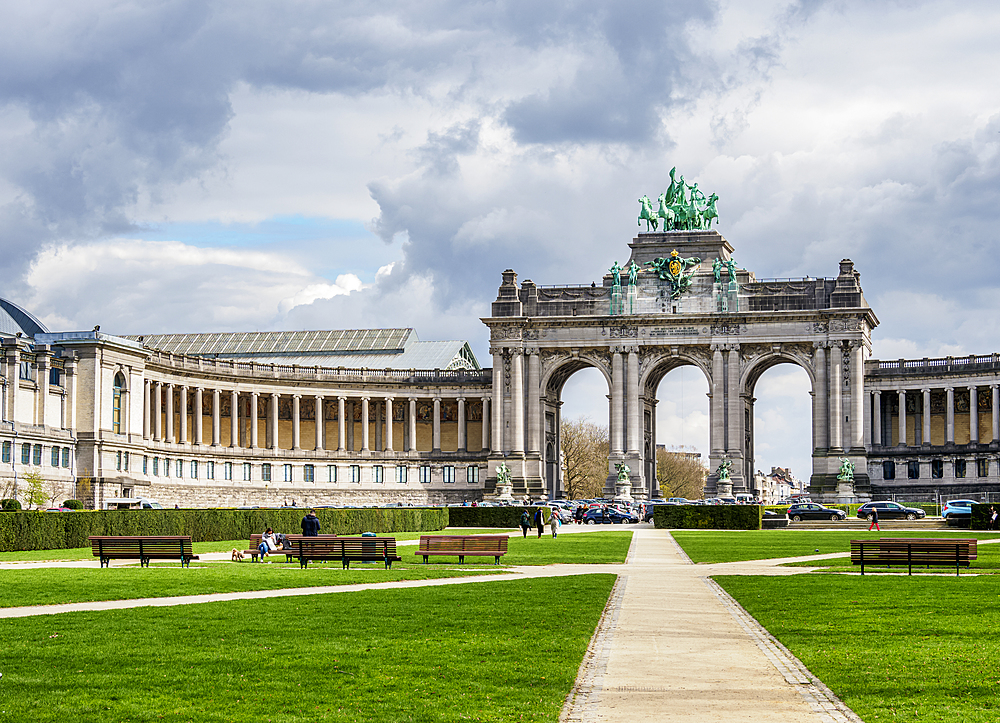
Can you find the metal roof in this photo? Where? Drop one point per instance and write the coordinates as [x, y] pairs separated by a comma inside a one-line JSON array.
[[14, 319]]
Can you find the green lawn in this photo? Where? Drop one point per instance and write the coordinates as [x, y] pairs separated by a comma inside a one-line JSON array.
[[497, 651], [732, 546], [893, 648]]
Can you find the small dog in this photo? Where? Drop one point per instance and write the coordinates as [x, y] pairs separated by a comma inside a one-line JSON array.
[[237, 555]]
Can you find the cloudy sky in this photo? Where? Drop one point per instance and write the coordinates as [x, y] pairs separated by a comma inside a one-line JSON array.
[[213, 166]]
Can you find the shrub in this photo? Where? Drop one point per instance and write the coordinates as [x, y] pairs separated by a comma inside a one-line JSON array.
[[9, 505], [73, 504], [709, 517], [488, 516], [41, 531], [980, 519]]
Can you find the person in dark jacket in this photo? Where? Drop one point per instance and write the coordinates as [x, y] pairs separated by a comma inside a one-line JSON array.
[[310, 524], [539, 521], [873, 516], [525, 523]]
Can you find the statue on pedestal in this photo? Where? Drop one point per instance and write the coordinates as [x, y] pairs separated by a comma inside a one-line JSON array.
[[505, 485], [846, 473]]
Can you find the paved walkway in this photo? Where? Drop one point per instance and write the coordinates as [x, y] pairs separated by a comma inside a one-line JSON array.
[[671, 646]]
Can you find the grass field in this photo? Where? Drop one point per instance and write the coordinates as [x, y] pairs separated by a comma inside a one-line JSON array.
[[732, 546], [496, 651], [893, 648]]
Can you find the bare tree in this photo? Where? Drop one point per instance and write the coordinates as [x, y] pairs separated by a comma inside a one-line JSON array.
[[681, 473], [585, 457]]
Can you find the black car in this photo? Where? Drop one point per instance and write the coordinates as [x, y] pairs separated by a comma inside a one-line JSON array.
[[594, 516], [812, 511], [889, 511]]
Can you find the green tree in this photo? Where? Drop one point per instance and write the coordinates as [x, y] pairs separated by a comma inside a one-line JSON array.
[[584, 447], [681, 473], [36, 495]]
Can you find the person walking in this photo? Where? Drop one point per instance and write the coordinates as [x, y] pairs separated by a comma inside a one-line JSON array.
[[310, 524], [525, 523], [993, 518], [555, 523], [578, 514], [539, 521], [873, 516]]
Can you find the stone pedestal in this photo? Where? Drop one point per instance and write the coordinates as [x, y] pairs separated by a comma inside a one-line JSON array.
[[505, 493]]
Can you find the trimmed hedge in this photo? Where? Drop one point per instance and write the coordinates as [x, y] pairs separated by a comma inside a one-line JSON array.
[[708, 517], [73, 504], [981, 517], [53, 531], [9, 505], [489, 516]]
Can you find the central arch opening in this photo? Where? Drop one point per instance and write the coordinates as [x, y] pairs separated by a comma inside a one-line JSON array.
[[576, 426], [676, 449]]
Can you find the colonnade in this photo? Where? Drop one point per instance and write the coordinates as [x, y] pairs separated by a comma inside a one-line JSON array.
[[375, 431], [922, 428]]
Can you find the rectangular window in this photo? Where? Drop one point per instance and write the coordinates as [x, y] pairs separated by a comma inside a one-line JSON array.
[[25, 453], [36, 457], [209, 470], [6, 451], [913, 469], [265, 472], [118, 461], [156, 466], [66, 457], [145, 464], [247, 472], [194, 469], [331, 473], [55, 456], [982, 467], [125, 460], [960, 468], [472, 475], [448, 471], [288, 472], [356, 473], [888, 470], [229, 470], [425, 474], [377, 473], [401, 471], [166, 467], [55, 377], [308, 473]]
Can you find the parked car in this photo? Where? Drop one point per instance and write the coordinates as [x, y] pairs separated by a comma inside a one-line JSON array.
[[957, 508], [812, 511], [890, 511], [651, 509], [614, 516]]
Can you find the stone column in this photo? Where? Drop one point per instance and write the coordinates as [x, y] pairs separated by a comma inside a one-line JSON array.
[[234, 418], [216, 417], [320, 423], [902, 418], [949, 433], [157, 411], [461, 420], [436, 445], [517, 401], [821, 418], [836, 397], [388, 424], [857, 396], [534, 406], [254, 439], [296, 421], [146, 430], [633, 443], [412, 422], [973, 414], [486, 426], [877, 414], [182, 394], [497, 425], [735, 426], [926, 432], [199, 437], [717, 410], [341, 425], [272, 421], [170, 413], [617, 402], [364, 425], [995, 389]]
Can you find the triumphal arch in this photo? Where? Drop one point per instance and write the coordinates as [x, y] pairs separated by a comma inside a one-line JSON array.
[[679, 299]]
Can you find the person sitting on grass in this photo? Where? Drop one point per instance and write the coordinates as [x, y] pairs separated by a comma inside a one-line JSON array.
[[268, 542]]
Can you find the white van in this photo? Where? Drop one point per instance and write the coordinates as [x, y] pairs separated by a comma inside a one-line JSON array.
[[743, 499], [131, 503]]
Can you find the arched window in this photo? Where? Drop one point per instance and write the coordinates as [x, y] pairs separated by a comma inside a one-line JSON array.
[[116, 404]]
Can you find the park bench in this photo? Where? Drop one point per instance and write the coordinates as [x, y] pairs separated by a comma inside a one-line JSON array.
[[345, 549], [464, 546], [143, 549], [913, 551], [254, 552]]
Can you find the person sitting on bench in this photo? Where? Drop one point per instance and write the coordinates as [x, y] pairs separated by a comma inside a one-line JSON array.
[[268, 542]]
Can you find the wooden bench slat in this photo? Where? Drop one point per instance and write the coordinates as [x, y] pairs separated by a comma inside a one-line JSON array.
[[913, 551], [345, 549], [463, 546], [142, 548]]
